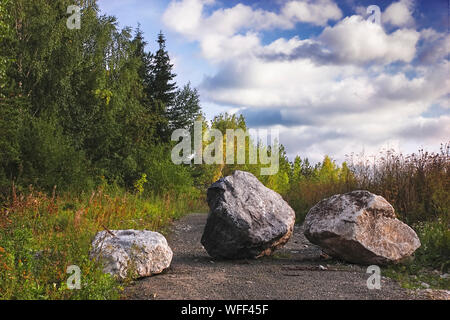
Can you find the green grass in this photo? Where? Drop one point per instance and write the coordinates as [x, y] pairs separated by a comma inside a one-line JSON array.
[[41, 235], [414, 278]]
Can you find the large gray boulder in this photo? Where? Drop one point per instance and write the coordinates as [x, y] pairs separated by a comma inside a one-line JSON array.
[[135, 253], [246, 219], [360, 227]]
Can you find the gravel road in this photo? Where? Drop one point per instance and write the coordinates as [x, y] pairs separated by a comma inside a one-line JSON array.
[[296, 271]]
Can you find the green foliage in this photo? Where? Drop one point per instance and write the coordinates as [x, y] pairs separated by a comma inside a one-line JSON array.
[[310, 184], [435, 244], [40, 236], [84, 109], [49, 160], [163, 175], [185, 109], [85, 103], [139, 184], [161, 85], [10, 155]]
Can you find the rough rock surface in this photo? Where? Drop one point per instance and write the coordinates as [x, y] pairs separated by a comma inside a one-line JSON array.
[[139, 253], [246, 219], [360, 227]]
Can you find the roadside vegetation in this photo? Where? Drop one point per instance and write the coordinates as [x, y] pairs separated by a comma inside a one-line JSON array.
[[418, 187], [85, 124], [41, 235]]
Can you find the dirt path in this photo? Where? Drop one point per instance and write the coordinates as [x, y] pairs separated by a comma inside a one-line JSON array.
[[292, 273]]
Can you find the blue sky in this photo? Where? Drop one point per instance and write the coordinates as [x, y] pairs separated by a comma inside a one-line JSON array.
[[322, 72]]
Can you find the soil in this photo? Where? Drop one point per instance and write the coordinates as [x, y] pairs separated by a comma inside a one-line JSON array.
[[297, 271]]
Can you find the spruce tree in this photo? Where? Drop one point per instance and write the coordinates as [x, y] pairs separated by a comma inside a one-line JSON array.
[[162, 85], [185, 109], [145, 58], [161, 88]]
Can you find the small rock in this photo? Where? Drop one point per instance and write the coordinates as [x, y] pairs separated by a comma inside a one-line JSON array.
[[321, 267], [425, 285], [444, 276]]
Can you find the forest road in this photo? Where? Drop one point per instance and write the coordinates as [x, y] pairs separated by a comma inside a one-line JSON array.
[[295, 271]]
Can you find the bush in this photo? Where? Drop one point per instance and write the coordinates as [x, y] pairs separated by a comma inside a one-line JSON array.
[[48, 159], [435, 249], [162, 174]]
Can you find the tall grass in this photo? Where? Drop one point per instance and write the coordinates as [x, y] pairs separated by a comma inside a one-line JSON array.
[[304, 194], [41, 235], [417, 185]]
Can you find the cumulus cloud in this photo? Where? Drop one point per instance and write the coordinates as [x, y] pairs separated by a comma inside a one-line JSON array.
[[353, 40], [314, 12], [359, 40], [226, 30], [434, 46], [186, 16], [399, 14], [354, 85]]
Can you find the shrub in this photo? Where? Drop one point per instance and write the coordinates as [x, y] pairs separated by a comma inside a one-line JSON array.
[[48, 159], [435, 249]]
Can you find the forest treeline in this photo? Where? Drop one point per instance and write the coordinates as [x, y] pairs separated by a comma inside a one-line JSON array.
[[84, 107], [86, 117]]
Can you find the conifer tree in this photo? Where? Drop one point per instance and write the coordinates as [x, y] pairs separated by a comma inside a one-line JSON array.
[[185, 109], [162, 85]]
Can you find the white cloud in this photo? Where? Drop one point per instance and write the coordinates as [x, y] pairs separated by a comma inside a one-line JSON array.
[[187, 17], [331, 94], [219, 48], [358, 40], [399, 14], [229, 21], [435, 46], [314, 12], [332, 109], [184, 17]]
